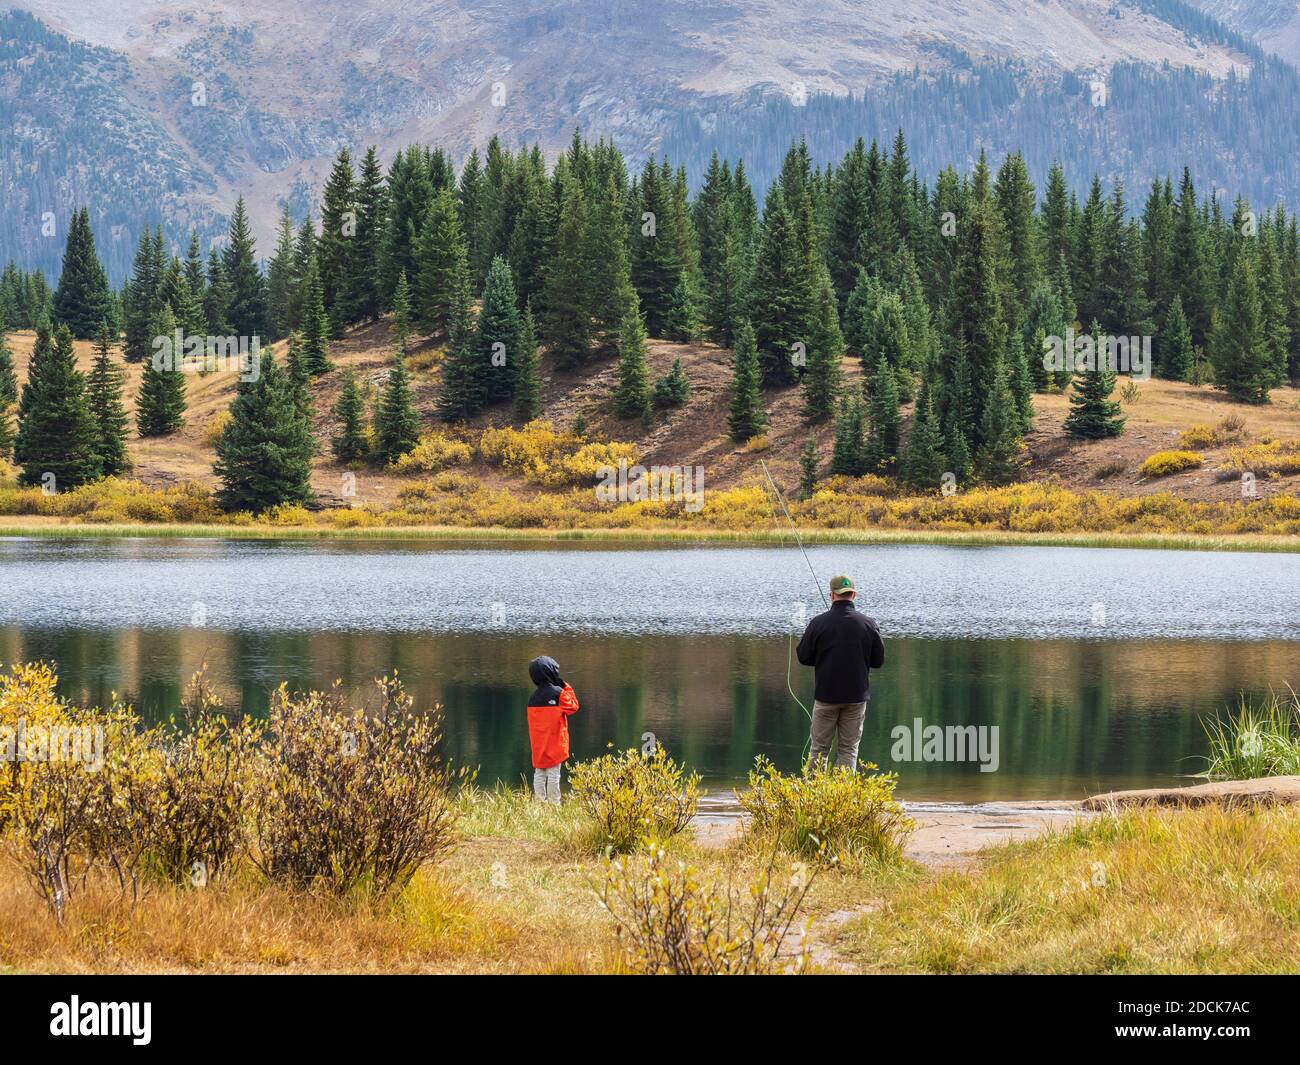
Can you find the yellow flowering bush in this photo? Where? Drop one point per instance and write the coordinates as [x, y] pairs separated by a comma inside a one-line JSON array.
[[545, 456], [827, 814], [632, 797], [1163, 463], [433, 453], [1275, 457]]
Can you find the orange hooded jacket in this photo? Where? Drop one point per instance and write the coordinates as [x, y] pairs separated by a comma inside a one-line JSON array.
[[548, 729]]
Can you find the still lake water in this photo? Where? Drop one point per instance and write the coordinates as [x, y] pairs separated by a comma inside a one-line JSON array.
[[1096, 665]]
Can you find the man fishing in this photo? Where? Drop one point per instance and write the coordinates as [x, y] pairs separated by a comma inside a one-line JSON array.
[[842, 646]]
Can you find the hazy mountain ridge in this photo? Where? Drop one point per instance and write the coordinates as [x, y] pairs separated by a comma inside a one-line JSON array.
[[1275, 24], [283, 85]]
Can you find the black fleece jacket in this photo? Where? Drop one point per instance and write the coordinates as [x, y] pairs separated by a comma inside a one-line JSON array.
[[843, 646]]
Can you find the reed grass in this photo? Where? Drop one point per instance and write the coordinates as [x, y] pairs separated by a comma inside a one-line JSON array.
[[1260, 739]]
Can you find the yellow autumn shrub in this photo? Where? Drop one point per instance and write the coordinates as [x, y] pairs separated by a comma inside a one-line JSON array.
[[1164, 463], [433, 453]]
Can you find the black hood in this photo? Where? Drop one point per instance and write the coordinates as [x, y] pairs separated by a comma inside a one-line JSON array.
[[545, 670]]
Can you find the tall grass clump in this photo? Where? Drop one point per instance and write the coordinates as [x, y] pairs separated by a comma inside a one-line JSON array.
[[633, 796], [828, 814], [671, 921], [1261, 739], [513, 813], [347, 800]]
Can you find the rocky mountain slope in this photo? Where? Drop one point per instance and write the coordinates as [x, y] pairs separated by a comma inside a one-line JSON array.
[[154, 110]]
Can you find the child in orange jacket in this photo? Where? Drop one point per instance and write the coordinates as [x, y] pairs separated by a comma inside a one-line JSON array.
[[548, 725]]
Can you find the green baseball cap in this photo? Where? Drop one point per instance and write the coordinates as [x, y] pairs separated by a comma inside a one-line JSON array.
[[840, 585]]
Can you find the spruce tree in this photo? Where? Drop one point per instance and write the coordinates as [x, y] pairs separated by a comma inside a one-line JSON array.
[[528, 398], [401, 312], [883, 440], [194, 270], [409, 192], [497, 334], [349, 443], [82, 301], [187, 308], [632, 396], [996, 460], [463, 390], [441, 259], [849, 458], [784, 297], [725, 299], [216, 300], [365, 284], [315, 323], [808, 465], [1238, 345], [281, 281], [923, 463], [104, 400], [8, 377], [976, 332], [823, 377], [609, 265], [566, 319], [160, 403], [246, 312], [397, 426], [8, 390], [264, 452], [143, 295], [336, 250], [673, 389], [55, 439], [682, 324], [656, 252], [1093, 414], [747, 418], [469, 201], [1174, 354]]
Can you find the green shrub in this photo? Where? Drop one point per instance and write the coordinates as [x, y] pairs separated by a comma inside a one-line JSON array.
[[829, 815], [632, 797]]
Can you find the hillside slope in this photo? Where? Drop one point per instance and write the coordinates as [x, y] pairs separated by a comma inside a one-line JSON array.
[[696, 434]]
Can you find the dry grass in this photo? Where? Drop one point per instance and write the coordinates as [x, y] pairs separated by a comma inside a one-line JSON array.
[[1149, 891], [494, 906], [1195, 891]]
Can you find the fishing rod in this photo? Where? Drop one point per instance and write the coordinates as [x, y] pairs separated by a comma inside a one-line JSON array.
[[789, 653], [794, 529]]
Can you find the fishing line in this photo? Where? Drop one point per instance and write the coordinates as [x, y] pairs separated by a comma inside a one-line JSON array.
[[789, 650]]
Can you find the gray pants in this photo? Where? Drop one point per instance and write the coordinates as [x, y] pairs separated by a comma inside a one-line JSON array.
[[546, 784], [838, 724]]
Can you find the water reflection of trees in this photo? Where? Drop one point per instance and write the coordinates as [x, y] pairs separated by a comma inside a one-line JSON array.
[[1072, 714]]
